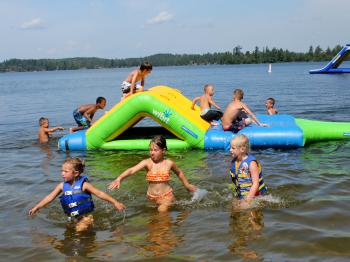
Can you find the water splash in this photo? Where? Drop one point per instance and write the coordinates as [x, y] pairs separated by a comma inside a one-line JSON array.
[[199, 194]]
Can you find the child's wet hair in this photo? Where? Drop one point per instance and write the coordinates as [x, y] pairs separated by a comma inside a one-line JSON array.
[[42, 119], [205, 88], [146, 66], [238, 92], [160, 141], [241, 141], [273, 101], [100, 99], [76, 163]]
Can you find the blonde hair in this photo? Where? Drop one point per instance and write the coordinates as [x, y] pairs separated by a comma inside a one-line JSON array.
[[239, 93], [207, 86], [76, 163], [241, 141]]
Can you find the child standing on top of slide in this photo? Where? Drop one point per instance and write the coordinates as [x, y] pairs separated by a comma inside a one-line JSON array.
[[206, 102], [158, 175], [129, 85], [245, 172]]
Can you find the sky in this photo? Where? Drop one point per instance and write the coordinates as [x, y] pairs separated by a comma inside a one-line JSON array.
[[32, 29]]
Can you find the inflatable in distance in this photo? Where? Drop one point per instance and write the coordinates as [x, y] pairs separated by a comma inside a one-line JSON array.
[[333, 66]]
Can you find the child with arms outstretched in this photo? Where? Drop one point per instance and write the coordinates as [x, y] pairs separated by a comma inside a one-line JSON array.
[[158, 175], [76, 197], [45, 130]]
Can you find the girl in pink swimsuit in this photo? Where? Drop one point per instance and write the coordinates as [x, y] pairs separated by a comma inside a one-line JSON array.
[[158, 175]]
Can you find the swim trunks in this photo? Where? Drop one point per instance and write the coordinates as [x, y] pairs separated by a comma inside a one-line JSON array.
[[80, 119], [125, 86], [239, 123], [211, 114]]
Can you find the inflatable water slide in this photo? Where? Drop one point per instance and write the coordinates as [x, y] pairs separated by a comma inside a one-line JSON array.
[[333, 66], [185, 129]]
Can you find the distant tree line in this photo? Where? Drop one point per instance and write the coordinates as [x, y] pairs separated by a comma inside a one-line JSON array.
[[264, 55]]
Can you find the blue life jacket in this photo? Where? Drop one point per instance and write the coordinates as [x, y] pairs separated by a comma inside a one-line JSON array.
[[242, 179], [75, 202]]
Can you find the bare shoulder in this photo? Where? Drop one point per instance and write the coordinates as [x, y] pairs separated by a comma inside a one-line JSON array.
[[170, 163], [60, 186], [148, 163]]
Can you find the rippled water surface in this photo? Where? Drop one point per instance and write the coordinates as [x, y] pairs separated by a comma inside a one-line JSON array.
[[305, 216]]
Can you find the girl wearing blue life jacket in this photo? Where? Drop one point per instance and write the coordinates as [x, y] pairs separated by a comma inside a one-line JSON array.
[[76, 197], [245, 172]]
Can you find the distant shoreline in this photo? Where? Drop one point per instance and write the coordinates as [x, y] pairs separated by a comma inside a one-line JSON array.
[[236, 56]]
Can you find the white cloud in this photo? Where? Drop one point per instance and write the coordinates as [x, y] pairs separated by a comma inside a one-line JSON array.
[[36, 23], [162, 17]]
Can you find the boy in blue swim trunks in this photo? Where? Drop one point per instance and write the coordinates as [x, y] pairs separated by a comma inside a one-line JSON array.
[[83, 114], [238, 115], [206, 102]]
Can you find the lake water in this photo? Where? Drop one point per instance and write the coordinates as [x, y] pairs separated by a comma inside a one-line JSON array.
[[305, 216]]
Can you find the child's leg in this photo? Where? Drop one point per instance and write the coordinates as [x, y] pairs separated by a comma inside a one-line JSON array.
[[84, 223], [164, 206], [74, 129], [165, 201], [248, 121]]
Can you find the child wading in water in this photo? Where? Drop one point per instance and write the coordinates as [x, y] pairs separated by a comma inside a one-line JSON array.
[[270, 106], [45, 131], [76, 199], [158, 175], [245, 172]]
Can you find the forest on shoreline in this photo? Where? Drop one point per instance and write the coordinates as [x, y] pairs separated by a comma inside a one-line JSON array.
[[236, 56]]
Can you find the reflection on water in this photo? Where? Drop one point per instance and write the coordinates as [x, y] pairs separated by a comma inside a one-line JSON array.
[[161, 237], [245, 228], [73, 245], [47, 157]]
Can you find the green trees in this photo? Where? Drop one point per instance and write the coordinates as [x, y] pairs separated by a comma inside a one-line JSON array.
[[266, 55]]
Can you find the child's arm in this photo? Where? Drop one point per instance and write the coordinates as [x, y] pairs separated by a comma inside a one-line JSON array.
[[133, 83], [89, 114], [211, 102], [194, 101], [100, 194], [130, 171], [246, 108], [182, 177], [143, 81], [46, 200], [254, 172], [53, 129]]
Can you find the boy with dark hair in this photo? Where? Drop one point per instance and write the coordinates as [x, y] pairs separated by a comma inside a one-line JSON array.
[[270, 106], [83, 114], [129, 85]]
